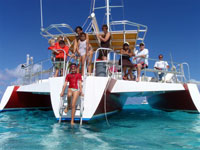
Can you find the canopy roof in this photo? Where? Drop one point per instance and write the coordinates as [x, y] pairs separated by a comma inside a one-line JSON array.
[[117, 39]]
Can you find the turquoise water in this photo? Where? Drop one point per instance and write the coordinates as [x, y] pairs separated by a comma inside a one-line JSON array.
[[136, 127]]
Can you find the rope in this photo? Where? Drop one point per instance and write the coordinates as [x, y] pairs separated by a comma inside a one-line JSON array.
[[85, 22], [105, 111], [123, 9], [93, 5]]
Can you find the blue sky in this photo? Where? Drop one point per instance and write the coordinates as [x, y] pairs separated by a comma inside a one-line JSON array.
[[173, 27]]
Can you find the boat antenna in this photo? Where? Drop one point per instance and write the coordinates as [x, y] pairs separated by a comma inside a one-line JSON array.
[[123, 9], [41, 15]]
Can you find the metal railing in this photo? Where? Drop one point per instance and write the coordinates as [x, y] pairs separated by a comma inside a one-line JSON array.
[[138, 27], [175, 74], [45, 69], [107, 63], [113, 68], [56, 30]]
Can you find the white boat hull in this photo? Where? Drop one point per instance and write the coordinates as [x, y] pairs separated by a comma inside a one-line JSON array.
[[102, 96]]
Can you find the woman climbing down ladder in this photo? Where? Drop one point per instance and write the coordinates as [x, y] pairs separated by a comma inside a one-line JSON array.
[[74, 90]]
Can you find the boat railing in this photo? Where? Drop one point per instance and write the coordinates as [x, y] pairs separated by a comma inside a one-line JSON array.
[[100, 67], [174, 74], [44, 69], [56, 30], [128, 26], [108, 67]]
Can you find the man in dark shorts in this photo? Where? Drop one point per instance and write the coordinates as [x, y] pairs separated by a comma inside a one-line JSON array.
[[74, 90]]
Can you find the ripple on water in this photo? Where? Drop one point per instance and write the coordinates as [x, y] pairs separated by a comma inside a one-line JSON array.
[[137, 127]]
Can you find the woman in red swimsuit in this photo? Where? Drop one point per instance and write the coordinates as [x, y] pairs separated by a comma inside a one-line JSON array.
[[74, 90]]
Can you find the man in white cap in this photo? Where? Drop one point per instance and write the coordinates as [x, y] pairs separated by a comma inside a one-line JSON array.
[[141, 57]]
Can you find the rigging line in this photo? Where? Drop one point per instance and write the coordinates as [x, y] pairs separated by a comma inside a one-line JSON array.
[[111, 21], [103, 19], [105, 111], [123, 9], [93, 5], [88, 16], [85, 22]]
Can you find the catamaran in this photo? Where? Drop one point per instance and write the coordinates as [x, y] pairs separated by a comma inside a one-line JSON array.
[[105, 91]]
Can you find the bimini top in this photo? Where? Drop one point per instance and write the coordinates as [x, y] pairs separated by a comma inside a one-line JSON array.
[[129, 32]]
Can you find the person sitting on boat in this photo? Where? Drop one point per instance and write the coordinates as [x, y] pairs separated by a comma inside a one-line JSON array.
[[52, 48], [59, 54], [105, 41], [83, 48], [79, 30], [126, 63], [160, 65], [141, 57], [74, 90]]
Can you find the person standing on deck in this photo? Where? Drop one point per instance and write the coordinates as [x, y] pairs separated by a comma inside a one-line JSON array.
[[160, 65], [83, 50], [141, 57], [105, 42], [59, 54], [79, 31], [74, 90], [52, 48]]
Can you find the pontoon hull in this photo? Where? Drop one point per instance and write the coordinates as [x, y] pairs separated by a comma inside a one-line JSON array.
[[170, 101], [14, 100], [97, 103], [187, 100]]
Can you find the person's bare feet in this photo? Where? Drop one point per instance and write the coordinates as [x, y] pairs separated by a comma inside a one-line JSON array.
[[138, 79], [72, 123], [66, 109]]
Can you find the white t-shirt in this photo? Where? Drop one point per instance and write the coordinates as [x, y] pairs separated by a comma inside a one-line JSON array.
[[161, 64], [142, 52]]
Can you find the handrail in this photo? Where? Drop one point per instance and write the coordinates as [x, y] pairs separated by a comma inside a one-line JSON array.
[[101, 48], [178, 72], [128, 22], [31, 75], [64, 59], [45, 31], [140, 37], [184, 63]]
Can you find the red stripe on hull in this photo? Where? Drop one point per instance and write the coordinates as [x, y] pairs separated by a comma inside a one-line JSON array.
[[113, 103], [27, 100], [177, 100]]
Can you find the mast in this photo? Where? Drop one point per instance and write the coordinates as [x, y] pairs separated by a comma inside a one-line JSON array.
[[108, 9], [108, 14]]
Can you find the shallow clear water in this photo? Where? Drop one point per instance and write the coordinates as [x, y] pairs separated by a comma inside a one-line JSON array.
[[136, 127]]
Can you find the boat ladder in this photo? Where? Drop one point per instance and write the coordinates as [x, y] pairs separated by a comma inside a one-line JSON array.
[[64, 104]]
